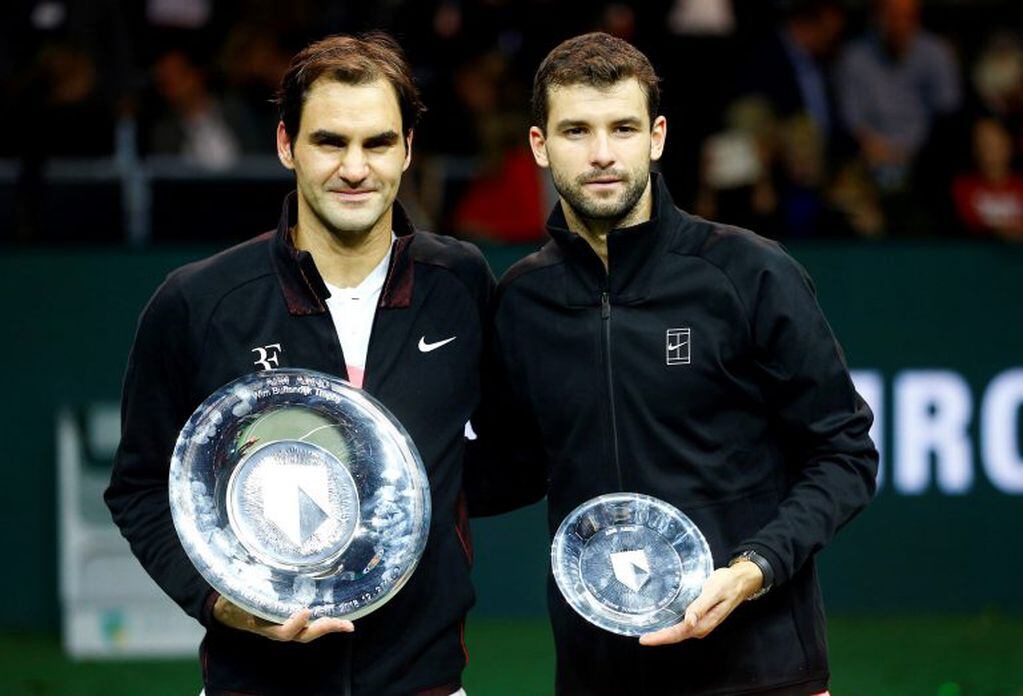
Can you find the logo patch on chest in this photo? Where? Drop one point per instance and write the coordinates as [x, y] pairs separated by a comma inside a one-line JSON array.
[[677, 346], [269, 356]]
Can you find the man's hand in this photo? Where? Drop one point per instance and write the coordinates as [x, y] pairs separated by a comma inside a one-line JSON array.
[[297, 628], [724, 590]]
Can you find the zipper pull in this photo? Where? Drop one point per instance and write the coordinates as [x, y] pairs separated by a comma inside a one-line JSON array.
[[605, 305]]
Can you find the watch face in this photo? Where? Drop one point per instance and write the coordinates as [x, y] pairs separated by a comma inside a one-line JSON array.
[[291, 489], [630, 563]]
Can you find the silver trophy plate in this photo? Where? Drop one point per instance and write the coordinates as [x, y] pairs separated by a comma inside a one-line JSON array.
[[630, 563], [291, 489]]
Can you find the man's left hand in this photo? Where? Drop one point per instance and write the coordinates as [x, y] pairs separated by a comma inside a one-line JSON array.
[[724, 590]]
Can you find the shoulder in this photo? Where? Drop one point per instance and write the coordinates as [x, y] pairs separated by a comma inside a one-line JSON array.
[[462, 259], [522, 271], [726, 245], [223, 272], [744, 258], [190, 291]]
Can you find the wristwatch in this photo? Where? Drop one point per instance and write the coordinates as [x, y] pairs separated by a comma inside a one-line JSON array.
[[765, 568]]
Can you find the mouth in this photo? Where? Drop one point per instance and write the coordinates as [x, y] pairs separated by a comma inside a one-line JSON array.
[[603, 183], [352, 195]]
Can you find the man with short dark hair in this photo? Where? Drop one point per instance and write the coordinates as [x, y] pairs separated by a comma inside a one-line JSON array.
[[646, 350], [344, 286]]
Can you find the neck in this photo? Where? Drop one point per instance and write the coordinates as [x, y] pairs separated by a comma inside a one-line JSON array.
[[596, 230], [344, 259]]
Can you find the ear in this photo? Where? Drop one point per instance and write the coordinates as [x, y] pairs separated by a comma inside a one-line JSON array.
[[408, 152], [658, 134], [538, 144], [285, 151]]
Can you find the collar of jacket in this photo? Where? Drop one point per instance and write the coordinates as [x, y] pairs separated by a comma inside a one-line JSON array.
[[303, 287], [630, 251]]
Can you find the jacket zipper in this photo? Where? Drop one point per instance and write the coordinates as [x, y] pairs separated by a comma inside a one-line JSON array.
[[605, 316]]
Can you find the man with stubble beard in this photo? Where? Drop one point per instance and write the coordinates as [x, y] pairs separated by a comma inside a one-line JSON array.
[[646, 350]]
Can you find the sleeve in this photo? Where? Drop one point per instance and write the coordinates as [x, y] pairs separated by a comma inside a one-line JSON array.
[[155, 404], [505, 467], [823, 423]]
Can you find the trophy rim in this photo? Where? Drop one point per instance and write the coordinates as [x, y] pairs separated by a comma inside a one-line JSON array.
[[390, 432], [588, 605]]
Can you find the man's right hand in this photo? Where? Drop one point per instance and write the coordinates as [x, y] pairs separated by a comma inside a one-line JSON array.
[[297, 628]]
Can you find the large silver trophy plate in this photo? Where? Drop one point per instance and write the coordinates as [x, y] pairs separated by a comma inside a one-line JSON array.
[[291, 489], [630, 563]]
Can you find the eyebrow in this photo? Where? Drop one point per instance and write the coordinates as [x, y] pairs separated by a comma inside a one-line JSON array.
[[326, 137], [570, 123], [385, 138], [629, 121], [578, 123]]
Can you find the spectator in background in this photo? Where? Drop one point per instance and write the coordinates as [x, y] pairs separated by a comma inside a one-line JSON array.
[[998, 75], [801, 178], [854, 204], [998, 83], [699, 47], [504, 200], [789, 69], [67, 80], [989, 201], [253, 61], [785, 78], [737, 164], [894, 84], [66, 112], [196, 126]]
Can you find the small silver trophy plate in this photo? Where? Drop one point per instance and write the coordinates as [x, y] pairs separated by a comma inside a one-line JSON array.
[[630, 563], [291, 489]]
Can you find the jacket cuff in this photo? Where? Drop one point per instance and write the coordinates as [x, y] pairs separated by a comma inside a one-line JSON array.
[[206, 613]]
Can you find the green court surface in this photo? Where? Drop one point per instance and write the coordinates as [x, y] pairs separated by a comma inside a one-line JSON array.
[[935, 656]]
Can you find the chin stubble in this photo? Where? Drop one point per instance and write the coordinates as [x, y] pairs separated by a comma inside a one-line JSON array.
[[615, 209]]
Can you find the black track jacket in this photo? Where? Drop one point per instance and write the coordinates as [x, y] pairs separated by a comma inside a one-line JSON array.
[[202, 329], [698, 369]]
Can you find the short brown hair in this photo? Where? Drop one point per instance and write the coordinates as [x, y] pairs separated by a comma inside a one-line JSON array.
[[354, 60], [597, 60]]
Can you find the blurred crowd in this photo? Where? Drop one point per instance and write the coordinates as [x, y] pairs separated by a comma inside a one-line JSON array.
[[796, 118]]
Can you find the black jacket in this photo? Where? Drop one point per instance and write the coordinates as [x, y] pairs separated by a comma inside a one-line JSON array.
[[201, 330], [698, 369]]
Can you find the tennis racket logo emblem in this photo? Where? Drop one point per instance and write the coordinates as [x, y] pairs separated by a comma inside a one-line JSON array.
[[677, 346]]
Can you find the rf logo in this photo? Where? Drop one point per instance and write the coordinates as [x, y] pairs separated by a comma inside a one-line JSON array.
[[676, 344], [267, 356]]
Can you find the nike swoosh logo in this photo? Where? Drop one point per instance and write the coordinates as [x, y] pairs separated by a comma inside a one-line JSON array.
[[425, 347], [677, 345]]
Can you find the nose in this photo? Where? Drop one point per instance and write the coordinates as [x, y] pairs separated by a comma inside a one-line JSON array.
[[354, 167], [600, 153]]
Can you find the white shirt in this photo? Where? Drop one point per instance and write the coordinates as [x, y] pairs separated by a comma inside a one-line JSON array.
[[352, 310]]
